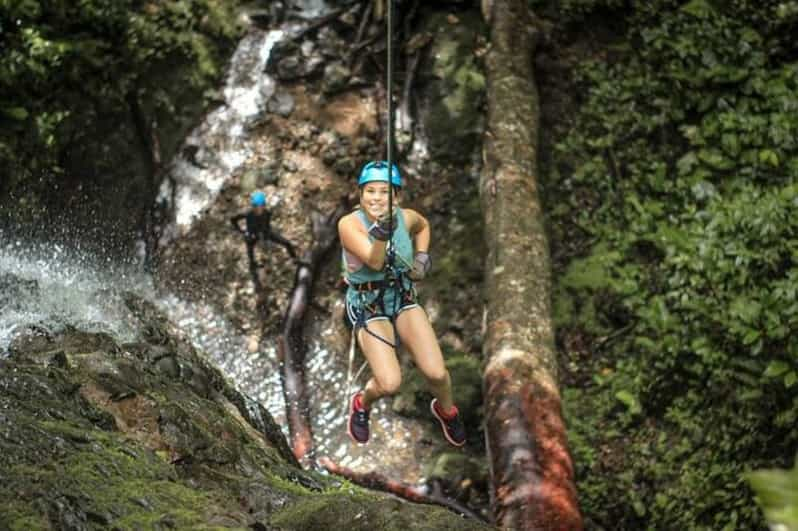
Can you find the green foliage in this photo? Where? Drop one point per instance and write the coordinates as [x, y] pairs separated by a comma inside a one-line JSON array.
[[682, 180], [777, 493], [69, 69], [573, 10]]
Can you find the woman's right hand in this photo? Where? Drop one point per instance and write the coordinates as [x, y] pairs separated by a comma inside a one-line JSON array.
[[381, 229]]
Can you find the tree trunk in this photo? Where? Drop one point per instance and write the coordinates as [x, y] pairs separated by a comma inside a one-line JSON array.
[[531, 470]]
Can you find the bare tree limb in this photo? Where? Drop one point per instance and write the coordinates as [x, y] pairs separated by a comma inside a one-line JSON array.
[[361, 31], [413, 493], [291, 347]]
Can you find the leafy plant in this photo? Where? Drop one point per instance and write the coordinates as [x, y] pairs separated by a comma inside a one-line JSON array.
[[70, 70], [680, 177], [777, 493]]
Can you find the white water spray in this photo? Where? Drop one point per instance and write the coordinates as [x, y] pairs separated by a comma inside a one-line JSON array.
[[46, 288]]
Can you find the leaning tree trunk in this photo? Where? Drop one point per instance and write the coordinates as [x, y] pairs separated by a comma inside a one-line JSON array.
[[531, 470]]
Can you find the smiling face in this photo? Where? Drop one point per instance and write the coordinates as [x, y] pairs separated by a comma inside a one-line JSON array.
[[374, 199]]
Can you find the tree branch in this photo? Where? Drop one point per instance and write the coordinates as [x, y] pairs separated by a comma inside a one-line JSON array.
[[412, 493], [291, 346]]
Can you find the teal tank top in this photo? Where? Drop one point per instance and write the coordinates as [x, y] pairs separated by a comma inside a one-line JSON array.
[[403, 249]]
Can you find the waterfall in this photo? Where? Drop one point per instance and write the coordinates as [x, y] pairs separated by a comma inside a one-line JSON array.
[[218, 147]]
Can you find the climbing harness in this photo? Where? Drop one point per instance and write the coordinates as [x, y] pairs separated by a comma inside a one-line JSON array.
[[402, 296]]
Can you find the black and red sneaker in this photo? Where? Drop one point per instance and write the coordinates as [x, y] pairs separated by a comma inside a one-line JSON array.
[[358, 427], [451, 423]]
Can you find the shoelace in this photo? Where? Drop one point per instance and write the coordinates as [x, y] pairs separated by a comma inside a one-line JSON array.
[[361, 416]]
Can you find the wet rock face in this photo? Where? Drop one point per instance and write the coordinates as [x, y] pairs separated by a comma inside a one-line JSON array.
[[299, 57], [336, 77], [281, 103], [98, 435], [287, 62]]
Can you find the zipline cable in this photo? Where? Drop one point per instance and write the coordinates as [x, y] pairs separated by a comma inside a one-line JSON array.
[[389, 143]]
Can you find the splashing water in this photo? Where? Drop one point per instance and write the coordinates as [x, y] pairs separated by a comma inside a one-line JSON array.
[[49, 287]]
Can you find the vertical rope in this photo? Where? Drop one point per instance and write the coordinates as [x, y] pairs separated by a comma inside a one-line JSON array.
[[389, 143]]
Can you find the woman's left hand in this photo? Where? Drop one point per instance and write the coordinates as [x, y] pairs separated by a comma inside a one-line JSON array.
[[421, 266]]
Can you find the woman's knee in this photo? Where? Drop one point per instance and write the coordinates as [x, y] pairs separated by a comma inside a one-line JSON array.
[[389, 383]]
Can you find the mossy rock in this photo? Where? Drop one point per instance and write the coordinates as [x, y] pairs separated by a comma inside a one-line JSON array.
[[456, 466], [356, 512], [452, 85], [96, 435], [414, 397]]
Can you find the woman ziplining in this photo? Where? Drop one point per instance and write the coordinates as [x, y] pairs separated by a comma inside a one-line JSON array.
[[382, 256], [385, 249]]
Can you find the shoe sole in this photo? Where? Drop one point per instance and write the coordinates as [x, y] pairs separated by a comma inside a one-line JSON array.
[[349, 421], [443, 426]]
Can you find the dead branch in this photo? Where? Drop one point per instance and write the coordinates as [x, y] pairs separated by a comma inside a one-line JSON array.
[[291, 346], [406, 491], [361, 30]]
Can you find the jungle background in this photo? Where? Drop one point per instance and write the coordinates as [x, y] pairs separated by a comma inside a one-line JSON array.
[[669, 159]]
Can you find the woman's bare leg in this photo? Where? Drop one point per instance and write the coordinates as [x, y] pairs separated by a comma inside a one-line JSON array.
[[418, 336], [386, 374]]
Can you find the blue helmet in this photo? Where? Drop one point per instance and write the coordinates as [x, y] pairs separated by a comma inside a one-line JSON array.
[[258, 199], [377, 171]]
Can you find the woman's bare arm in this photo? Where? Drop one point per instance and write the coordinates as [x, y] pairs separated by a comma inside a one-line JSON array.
[[354, 238], [419, 229]]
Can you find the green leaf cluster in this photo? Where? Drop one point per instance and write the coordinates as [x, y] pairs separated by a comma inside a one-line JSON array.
[[70, 70], [679, 180], [777, 492]]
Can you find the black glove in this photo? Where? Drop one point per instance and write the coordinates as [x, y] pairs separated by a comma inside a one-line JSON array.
[[380, 229], [421, 266]]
